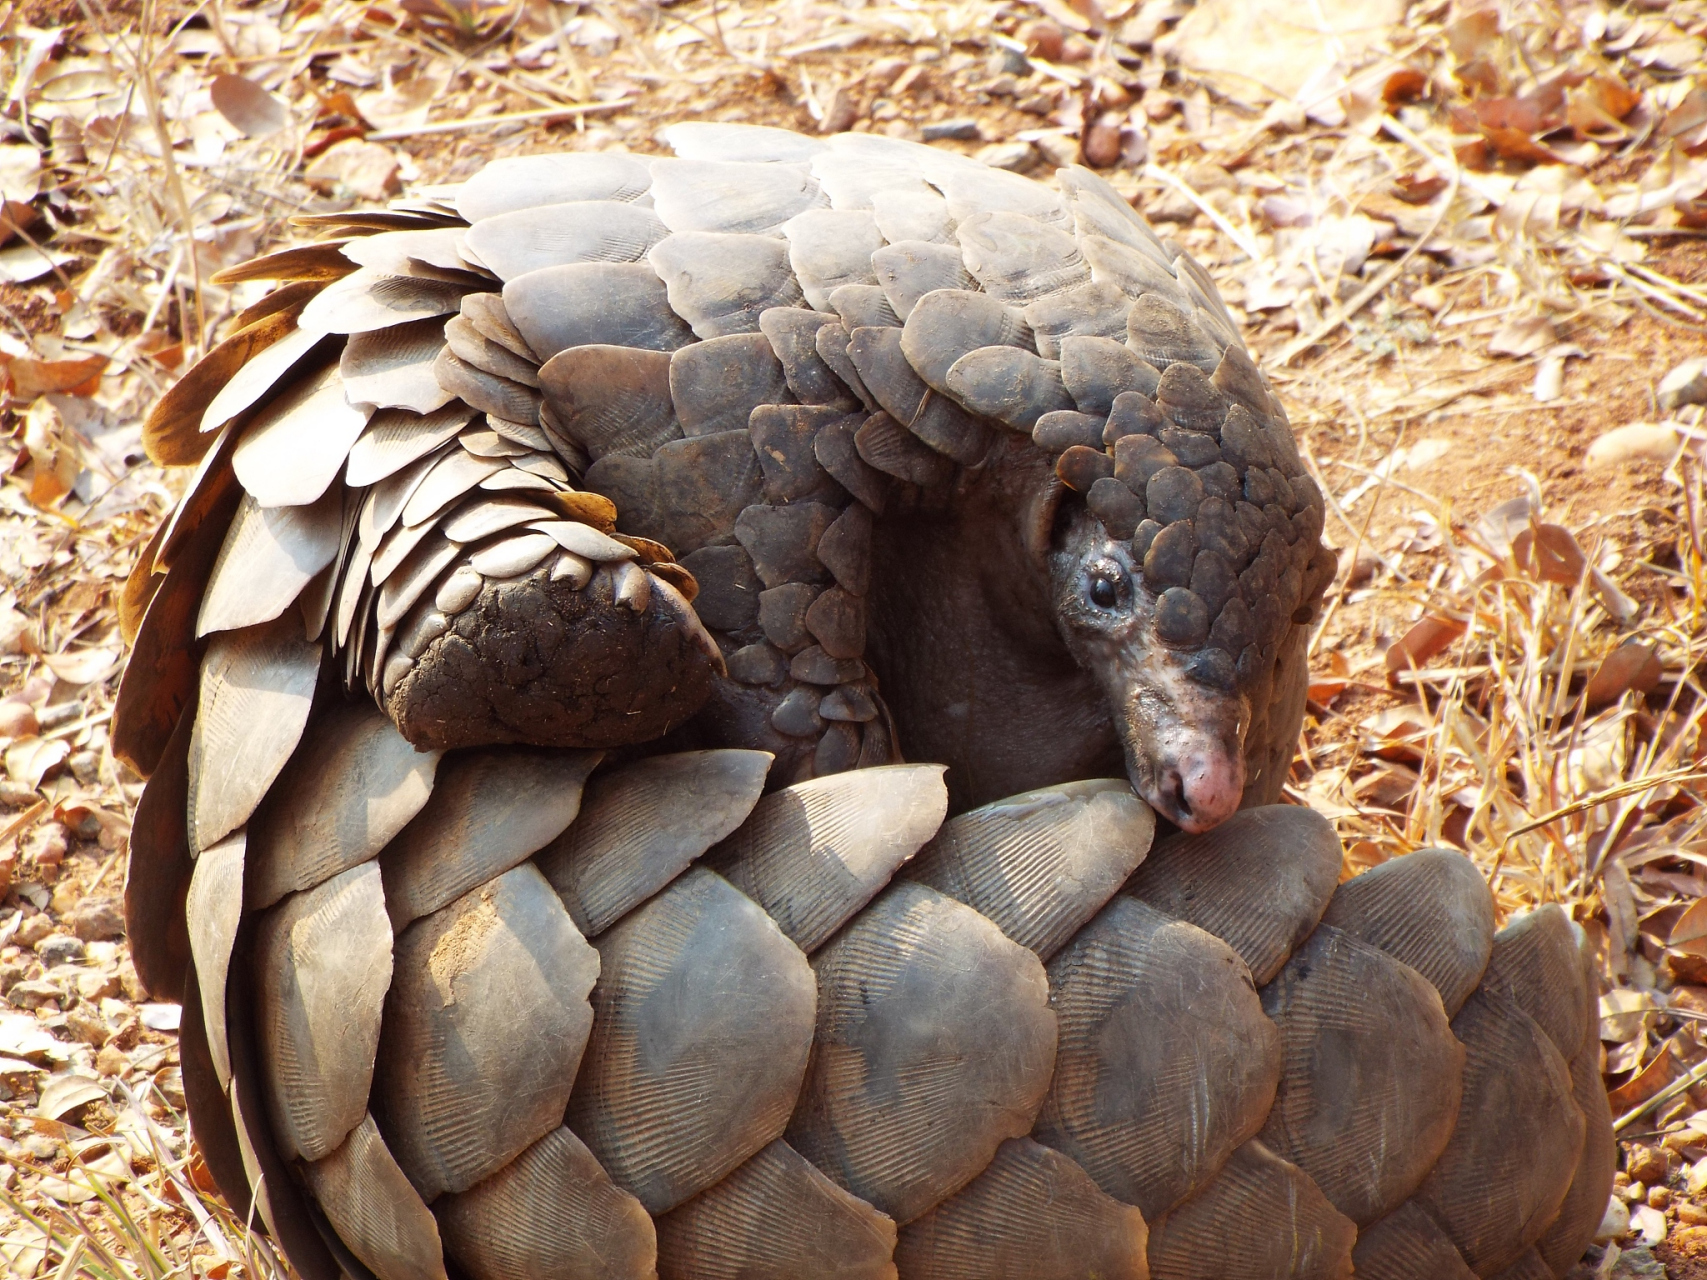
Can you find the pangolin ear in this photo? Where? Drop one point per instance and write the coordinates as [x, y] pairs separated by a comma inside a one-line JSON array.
[[1037, 519]]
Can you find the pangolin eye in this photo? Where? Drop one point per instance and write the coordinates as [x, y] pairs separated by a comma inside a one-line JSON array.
[[1108, 586]]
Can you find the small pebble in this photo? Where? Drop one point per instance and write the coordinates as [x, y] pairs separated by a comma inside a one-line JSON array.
[[1686, 384], [112, 1061], [951, 130], [60, 949], [1659, 1197], [39, 1146], [97, 920], [1691, 1214], [1646, 1164], [33, 929]]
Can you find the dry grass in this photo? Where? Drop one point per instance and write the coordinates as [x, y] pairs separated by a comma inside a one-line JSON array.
[[1460, 268]]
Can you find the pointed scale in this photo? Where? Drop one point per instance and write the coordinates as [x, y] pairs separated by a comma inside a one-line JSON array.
[[212, 910], [815, 853], [269, 556], [392, 368], [323, 958], [704, 1022], [642, 825], [484, 1029], [374, 1210], [1043, 863], [207, 1107], [298, 441], [551, 1212], [490, 808], [352, 785], [257, 686]]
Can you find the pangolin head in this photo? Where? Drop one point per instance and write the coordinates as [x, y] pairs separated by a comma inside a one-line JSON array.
[[1186, 541]]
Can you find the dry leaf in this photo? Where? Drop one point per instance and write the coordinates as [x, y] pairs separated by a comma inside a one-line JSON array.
[[28, 760], [1549, 553], [1689, 114], [364, 168], [1646, 1083], [1626, 1013], [1632, 665], [1428, 636], [31, 378], [1640, 441], [20, 172], [85, 666], [63, 1094], [1522, 337], [252, 111], [21, 263]]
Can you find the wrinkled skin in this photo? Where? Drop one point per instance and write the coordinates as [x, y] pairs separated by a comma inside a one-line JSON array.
[[1000, 654]]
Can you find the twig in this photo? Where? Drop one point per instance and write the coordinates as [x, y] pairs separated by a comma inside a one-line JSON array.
[[480, 122], [1696, 1075], [1252, 250]]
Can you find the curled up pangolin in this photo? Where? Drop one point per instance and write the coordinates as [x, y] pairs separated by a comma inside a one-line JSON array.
[[523, 683]]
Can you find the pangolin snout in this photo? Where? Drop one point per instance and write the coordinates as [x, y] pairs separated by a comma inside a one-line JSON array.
[[1202, 789]]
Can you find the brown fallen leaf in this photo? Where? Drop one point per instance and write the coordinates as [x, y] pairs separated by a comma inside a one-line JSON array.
[[30, 378], [1523, 336], [1632, 665], [1549, 553], [1515, 144], [1415, 189], [1647, 1082], [1407, 84], [1429, 635], [252, 111]]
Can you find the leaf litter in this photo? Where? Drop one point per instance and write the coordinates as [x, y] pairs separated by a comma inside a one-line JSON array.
[[1465, 237]]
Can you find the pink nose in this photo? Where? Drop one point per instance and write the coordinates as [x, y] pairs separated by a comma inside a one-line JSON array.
[[1209, 785]]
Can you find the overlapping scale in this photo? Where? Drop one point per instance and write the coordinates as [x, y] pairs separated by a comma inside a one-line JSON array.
[[1210, 880], [1371, 1078], [1150, 1009], [1259, 1218], [323, 964], [1497, 1187], [815, 853], [774, 1218], [1042, 863], [484, 1028], [1031, 1215], [642, 825], [934, 1043], [1430, 909], [552, 1213], [704, 1020]]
